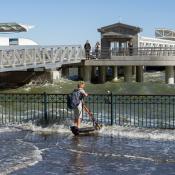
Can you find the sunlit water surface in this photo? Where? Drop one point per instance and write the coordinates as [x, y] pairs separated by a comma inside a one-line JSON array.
[[27, 149]]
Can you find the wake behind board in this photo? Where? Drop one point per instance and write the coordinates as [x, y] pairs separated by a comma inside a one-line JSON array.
[[77, 131]]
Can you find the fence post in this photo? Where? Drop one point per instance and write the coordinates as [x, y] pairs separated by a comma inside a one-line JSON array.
[[45, 108], [111, 95]]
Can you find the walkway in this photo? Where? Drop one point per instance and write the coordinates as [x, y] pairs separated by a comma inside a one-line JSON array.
[[49, 57]]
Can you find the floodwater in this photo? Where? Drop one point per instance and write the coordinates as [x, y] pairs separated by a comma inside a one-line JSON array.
[[28, 149], [114, 150]]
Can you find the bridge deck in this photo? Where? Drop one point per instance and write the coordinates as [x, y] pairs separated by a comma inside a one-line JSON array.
[[132, 61]]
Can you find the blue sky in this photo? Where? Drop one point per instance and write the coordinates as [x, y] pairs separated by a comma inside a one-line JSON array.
[[75, 21]]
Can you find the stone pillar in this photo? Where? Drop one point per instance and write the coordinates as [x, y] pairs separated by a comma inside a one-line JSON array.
[[115, 74], [105, 49], [135, 41], [56, 75], [65, 72], [102, 74], [87, 73], [80, 73], [139, 73], [128, 73], [133, 70], [120, 44], [93, 74], [169, 74], [120, 49]]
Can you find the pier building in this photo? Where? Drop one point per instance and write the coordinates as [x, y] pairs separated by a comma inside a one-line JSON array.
[[123, 46]]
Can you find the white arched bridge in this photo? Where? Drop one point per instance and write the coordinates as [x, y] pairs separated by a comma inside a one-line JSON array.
[[15, 58]]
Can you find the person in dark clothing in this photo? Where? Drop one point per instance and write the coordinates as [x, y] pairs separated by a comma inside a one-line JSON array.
[[87, 48]]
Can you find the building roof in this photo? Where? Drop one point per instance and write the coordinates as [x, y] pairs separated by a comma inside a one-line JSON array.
[[118, 35], [102, 29], [163, 33], [14, 27]]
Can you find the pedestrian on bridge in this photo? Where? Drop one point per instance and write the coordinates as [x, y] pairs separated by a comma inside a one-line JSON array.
[[97, 50], [87, 48]]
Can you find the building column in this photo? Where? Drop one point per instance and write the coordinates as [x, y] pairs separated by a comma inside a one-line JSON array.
[[128, 73], [87, 73], [102, 74], [133, 70], [139, 74], [80, 73], [120, 49], [65, 72], [93, 73], [115, 74], [56, 75], [169, 74], [120, 44], [105, 47]]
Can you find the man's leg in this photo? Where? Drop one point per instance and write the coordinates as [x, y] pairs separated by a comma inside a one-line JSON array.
[[77, 122], [78, 117]]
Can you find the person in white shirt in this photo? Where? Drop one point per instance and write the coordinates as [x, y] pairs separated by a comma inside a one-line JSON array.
[[97, 50]]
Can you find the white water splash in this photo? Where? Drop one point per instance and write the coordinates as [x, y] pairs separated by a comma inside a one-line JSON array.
[[114, 131], [138, 133]]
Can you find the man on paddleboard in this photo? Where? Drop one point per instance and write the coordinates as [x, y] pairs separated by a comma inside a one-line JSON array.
[[79, 109]]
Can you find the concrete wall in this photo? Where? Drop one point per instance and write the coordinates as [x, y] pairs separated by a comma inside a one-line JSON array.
[[105, 47], [133, 61], [18, 78], [135, 41]]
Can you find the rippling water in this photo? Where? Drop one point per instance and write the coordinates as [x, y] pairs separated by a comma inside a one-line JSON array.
[[28, 149], [114, 150]]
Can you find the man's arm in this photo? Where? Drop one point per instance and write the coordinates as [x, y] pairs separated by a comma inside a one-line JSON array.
[[83, 92]]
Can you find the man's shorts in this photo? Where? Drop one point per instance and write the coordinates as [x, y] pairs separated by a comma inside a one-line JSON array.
[[78, 112]]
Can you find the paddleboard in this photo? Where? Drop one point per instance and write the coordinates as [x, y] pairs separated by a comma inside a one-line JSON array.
[[76, 131]]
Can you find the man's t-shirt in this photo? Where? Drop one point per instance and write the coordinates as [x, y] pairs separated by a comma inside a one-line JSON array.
[[78, 110], [83, 93]]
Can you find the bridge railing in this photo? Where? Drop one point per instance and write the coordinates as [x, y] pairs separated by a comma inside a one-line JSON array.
[[150, 111], [38, 56], [143, 51]]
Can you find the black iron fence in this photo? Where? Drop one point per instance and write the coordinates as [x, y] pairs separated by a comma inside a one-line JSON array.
[[150, 111]]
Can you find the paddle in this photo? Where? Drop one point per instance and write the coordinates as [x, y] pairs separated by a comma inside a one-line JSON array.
[[97, 125]]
